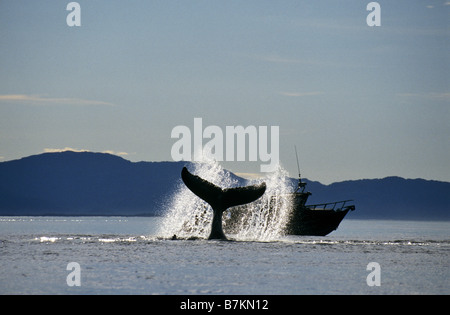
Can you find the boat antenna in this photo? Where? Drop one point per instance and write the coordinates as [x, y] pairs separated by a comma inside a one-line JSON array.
[[300, 184], [298, 165]]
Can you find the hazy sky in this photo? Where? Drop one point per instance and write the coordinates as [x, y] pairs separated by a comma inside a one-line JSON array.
[[357, 101]]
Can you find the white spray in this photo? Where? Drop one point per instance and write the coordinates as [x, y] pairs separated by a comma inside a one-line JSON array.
[[187, 216]]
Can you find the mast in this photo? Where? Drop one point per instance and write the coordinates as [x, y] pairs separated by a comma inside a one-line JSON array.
[[301, 185]]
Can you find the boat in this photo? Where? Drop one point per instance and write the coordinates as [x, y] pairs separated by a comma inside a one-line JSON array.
[[314, 219], [303, 219]]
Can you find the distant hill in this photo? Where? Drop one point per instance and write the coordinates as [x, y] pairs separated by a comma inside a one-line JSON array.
[[388, 198], [87, 183]]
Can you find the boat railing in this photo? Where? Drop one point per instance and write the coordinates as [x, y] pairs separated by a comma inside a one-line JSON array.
[[339, 204]]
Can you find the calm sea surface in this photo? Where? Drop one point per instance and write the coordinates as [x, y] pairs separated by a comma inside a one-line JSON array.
[[128, 255]]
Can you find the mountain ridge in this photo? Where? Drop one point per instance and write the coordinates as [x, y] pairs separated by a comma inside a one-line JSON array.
[[89, 183]]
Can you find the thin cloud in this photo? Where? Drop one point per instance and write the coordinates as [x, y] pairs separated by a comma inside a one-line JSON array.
[[445, 96], [276, 59], [284, 60], [121, 153], [441, 96], [40, 100], [53, 150], [300, 94]]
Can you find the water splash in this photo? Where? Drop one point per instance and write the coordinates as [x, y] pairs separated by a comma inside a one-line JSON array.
[[187, 216], [266, 218]]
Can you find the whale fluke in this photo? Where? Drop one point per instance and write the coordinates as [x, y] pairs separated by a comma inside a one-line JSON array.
[[220, 199]]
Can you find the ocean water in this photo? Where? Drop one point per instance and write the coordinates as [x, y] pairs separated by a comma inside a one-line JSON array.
[[133, 255]]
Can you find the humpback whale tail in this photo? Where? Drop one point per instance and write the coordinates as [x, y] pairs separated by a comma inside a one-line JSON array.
[[220, 199]]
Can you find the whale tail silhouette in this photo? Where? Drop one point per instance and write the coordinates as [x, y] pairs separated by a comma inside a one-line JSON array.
[[220, 199]]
